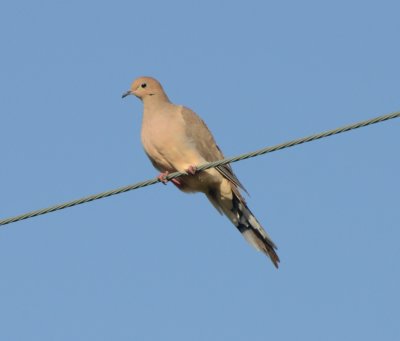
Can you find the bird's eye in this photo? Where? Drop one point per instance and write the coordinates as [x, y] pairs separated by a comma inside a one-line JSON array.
[[143, 85]]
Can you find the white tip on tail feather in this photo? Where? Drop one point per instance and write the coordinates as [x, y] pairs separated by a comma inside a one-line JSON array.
[[251, 239]]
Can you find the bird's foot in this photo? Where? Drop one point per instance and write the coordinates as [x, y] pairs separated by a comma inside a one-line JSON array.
[[176, 182], [162, 177], [191, 170]]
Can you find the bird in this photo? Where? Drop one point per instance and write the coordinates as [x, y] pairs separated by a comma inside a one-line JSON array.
[[176, 139]]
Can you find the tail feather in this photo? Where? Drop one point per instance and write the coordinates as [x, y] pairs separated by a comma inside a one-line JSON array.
[[260, 242], [245, 221]]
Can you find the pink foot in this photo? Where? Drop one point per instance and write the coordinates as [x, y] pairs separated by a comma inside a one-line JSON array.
[[176, 182], [192, 170], [163, 178]]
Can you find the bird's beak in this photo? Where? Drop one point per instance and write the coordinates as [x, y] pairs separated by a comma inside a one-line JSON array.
[[129, 92]]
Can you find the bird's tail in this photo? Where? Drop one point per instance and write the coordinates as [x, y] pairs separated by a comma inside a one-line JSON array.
[[245, 221]]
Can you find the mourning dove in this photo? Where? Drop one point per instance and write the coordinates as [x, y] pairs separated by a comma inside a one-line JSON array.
[[176, 140]]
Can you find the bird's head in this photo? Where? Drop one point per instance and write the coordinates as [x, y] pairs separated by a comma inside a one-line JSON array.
[[144, 87]]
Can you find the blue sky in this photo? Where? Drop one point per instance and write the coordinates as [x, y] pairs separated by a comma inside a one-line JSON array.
[[158, 264]]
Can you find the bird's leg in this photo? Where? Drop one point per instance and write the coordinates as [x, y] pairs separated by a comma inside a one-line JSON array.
[[192, 170], [163, 178], [176, 182]]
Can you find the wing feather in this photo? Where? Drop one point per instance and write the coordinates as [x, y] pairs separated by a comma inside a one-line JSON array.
[[199, 133]]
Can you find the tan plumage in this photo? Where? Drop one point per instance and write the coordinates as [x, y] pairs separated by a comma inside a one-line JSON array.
[[175, 138]]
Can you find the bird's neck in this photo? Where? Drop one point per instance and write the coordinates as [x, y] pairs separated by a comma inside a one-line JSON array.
[[155, 101]]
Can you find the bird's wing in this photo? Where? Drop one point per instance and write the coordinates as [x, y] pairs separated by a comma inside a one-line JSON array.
[[205, 144]]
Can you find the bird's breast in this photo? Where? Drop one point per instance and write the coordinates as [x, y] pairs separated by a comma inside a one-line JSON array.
[[165, 142]]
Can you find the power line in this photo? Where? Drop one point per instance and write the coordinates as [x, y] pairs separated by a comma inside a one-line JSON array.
[[202, 167]]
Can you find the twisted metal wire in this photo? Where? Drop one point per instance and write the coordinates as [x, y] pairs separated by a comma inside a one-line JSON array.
[[201, 168]]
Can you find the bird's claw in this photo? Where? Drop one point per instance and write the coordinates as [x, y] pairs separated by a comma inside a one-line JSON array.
[[162, 177], [191, 170]]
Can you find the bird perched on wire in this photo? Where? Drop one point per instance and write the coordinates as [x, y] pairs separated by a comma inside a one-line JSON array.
[[176, 140]]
